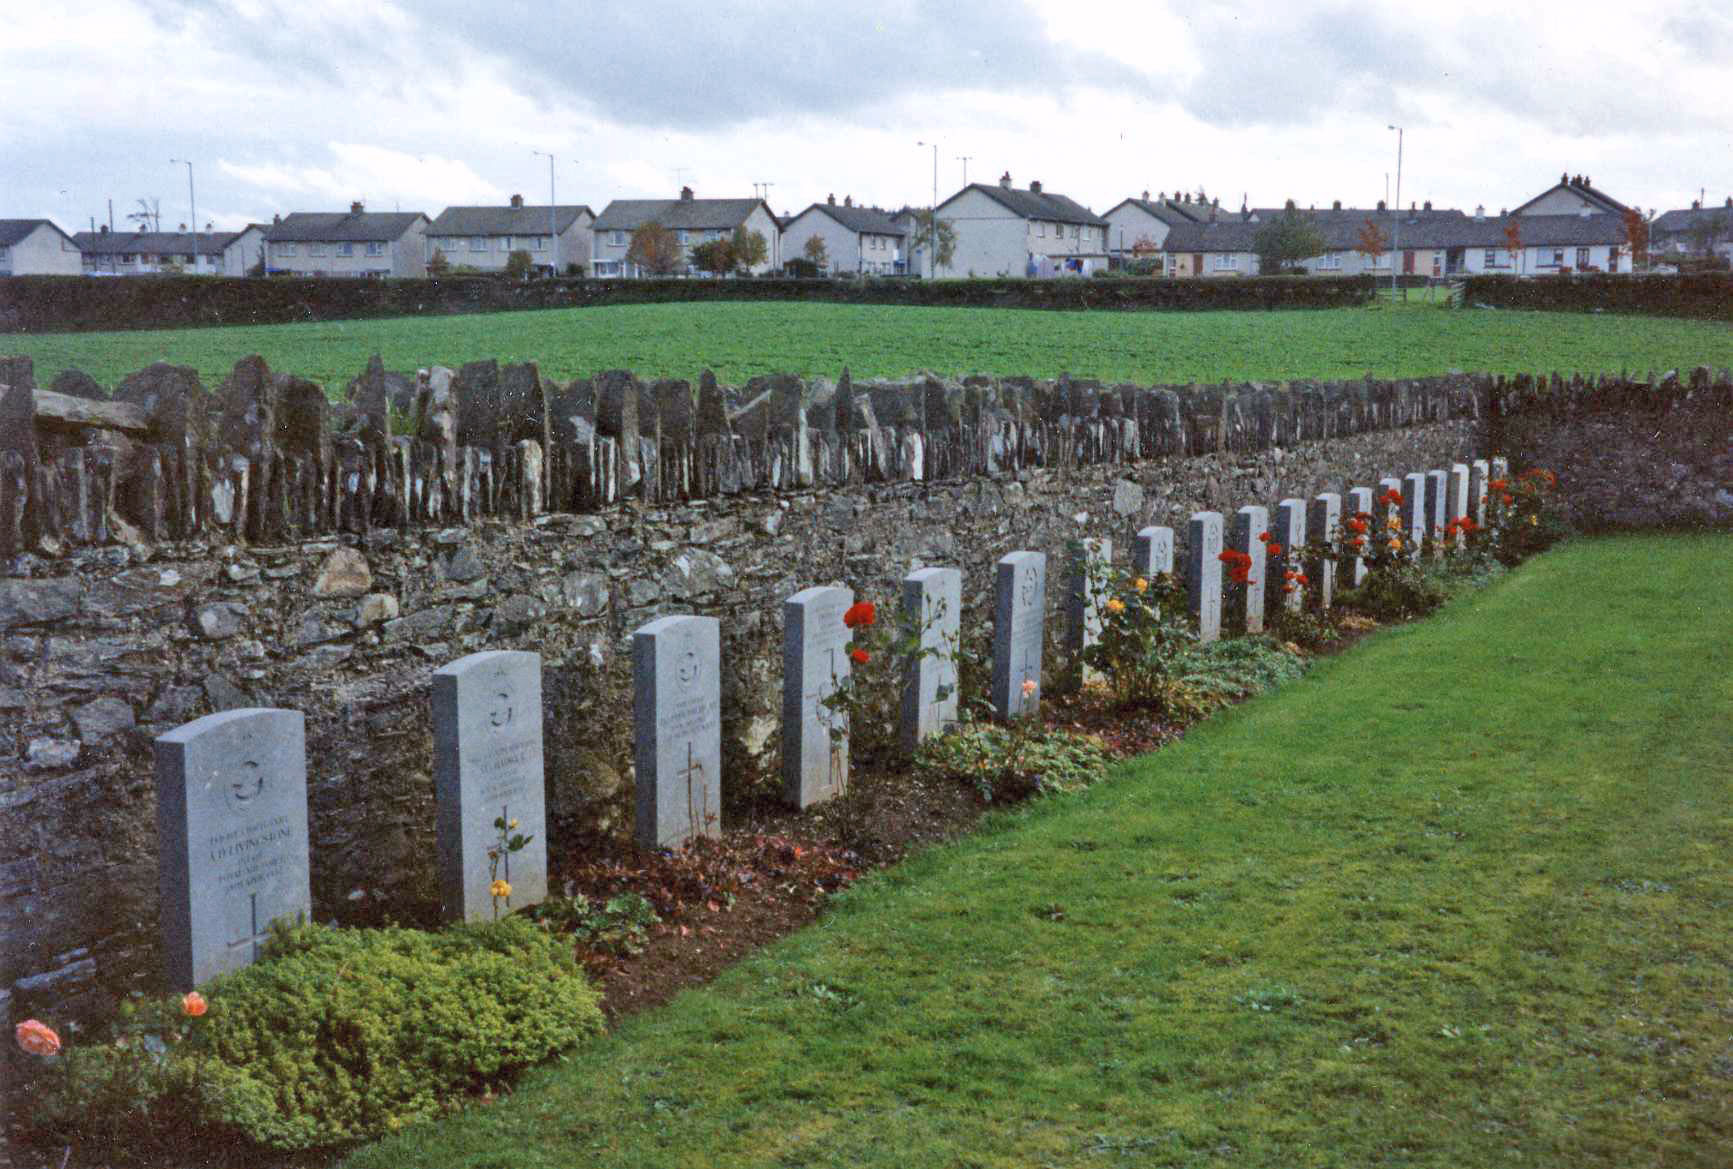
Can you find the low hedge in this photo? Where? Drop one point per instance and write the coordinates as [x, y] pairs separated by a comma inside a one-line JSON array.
[[1707, 294], [334, 1036], [55, 304]]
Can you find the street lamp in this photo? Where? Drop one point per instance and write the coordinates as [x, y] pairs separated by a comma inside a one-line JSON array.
[[933, 217], [553, 233], [1396, 218], [193, 207]]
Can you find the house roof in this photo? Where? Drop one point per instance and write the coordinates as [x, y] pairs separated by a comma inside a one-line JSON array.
[[342, 226], [1439, 229], [14, 231], [1033, 204], [1580, 187], [858, 219], [683, 214], [1685, 219], [1160, 209], [154, 243], [529, 220]]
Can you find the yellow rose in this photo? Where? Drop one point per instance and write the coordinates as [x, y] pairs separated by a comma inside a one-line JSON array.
[[1116, 605], [500, 888], [511, 825], [1534, 519], [1140, 584]]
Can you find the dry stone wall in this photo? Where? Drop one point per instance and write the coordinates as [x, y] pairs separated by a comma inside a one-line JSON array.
[[355, 563]]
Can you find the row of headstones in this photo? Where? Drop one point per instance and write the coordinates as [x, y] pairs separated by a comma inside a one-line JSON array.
[[232, 787]]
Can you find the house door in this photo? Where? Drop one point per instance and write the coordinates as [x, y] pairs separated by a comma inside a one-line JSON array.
[[1408, 263], [1196, 265]]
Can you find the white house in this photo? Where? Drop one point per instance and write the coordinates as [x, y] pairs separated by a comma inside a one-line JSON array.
[[1005, 231], [35, 247], [146, 253], [557, 238], [856, 239], [1687, 232], [359, 243], [693, 221], [1138, 226]]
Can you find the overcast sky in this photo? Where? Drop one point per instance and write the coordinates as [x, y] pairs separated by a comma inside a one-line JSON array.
[[285, 105]]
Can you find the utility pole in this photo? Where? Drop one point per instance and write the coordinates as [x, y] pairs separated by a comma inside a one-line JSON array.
[[1396, 218], [553, 228], [933, 218], [193, 208], [964, 159]]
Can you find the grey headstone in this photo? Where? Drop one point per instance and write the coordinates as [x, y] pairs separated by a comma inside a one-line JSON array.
[[1086, 591], [1414, 510], [932, 607], [1288, 530], [677, 711], [1203, 573], [1152, 552], [1360, 506], [1500, 467], [1246, 601], [488, 766], [1324, 521], [815, 661], [1020, 592], [1456, 500], [1479, 474], [232, 838], [1437, 486]]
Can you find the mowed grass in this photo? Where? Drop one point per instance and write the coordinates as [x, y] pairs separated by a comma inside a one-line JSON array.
[[742, 340], [1460, 897]]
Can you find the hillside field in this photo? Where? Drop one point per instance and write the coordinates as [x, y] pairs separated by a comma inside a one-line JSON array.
[[741, 340]]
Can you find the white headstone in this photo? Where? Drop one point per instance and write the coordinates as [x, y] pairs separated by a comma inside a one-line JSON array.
[[1086, 593], [1152, 552], [1290, 532], [1414, 510], [1437, 486], [1245, 602], [1020, 598], [231, 837], [815, 661], [487, 767], [1360, 506], [1479, 473], [677, 715], [932, 607], [1324, 522], [1203, 573], [1456, 500]]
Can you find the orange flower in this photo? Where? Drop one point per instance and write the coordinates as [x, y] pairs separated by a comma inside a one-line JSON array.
[[1303, 579], [860, 613], [193, 1004], [1508, 501], [1264, 536], [1273, 549], [1391, 497], [1356, 524], [860, 656], [1498, 484], [37, 1037]]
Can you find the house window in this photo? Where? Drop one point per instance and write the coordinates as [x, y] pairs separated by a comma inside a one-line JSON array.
[[130, 258], [1040, 228], [1558, 258], [375, 249], [1582, 258], [617, 238], [315, 249], [282, 250], [187, 260], [345, 249], [478, 244], [1491, 259], [1226, 263], [682, 237], [5, 252], [538, 242], [1330, 261]]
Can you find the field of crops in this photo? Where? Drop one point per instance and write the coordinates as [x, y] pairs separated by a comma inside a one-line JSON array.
[[741, 340]]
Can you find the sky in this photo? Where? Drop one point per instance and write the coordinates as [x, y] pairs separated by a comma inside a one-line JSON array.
[[416, 105]]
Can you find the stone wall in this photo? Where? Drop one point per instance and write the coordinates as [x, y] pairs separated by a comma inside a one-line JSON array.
[[112, 637]]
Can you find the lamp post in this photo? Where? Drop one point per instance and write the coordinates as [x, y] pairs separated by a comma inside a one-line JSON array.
[[1396, 216], [964, 159], [553, 232], [933, 217], [192, 208]]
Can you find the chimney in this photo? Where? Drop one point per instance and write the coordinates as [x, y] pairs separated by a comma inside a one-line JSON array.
[[1411, 206], [1564, 180], [275, 218], [1336, 206], [1005, 180], [1380, 204], [1146, 195], [1480, 210], [180, 227], [1729, 202], [1696, 205], [831, 199], [685, 194], [1035, 186], [103, 230], [848, 200], [1427, 206], [517, 200], [1588, 182], [357, 207]]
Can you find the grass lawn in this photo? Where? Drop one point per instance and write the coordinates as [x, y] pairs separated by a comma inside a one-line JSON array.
[[740, 340], [1460, 897]]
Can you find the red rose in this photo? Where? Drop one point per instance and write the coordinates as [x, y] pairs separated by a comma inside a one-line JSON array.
[[860, 613], [861, 657]]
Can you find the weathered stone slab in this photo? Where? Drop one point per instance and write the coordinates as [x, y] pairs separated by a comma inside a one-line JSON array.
[[1437, 487], [232, 838], [1289, 530], [1245, 602], [932, 605], [1324, 522], [1414, 509], [1086, 591], [677, 707], [1152, 552], [815, 661], [1203, 573], [1456, 500], [1020, 597], [1360, 504], [1479, 474], [488, 766]]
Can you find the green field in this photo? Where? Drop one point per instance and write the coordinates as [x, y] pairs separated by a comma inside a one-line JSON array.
[[740, 340], [1459, 897]]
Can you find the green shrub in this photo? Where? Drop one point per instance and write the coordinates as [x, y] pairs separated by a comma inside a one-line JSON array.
[[1007, 762], [336, 1036], [1225, 671]]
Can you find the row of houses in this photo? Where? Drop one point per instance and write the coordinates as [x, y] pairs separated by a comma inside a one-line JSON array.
[[989, 230]]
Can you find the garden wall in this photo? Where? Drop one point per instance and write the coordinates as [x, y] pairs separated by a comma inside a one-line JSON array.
[[48, 304], [1701, 295], [374, 560]]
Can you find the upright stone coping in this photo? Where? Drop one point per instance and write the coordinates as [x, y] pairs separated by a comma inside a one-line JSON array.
[[1360, 501], [1414, 510], [1456, 501], [677, 729], [932, 605], [1245, 602], [1020, 599], [1324, 522], [1203, 573], [231, 837], [1152, 552], [1437, 487], [1087, 563], [1290, 532], [1479, 473], [815, 661], [488, 766]]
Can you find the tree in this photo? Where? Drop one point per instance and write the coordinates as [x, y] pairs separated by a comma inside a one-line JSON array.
[[1636, 235], [1371, 242], [716, 256], [946, 248], [518, 265], [1513, 242], [1709, 231], [816, 252], [149, 214], [749, 248], [654, 249], [440, 264], [1285, 241]]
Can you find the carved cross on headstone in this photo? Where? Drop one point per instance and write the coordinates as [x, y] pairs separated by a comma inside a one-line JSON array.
[[255, 932], [1030, 671], [694, 769]]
